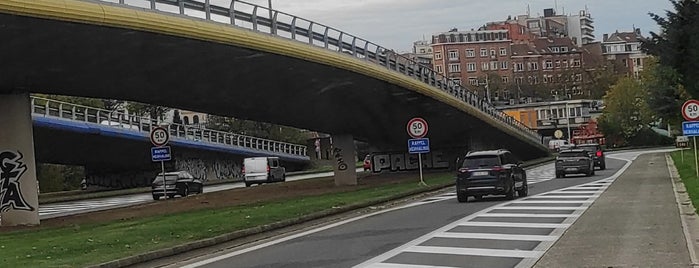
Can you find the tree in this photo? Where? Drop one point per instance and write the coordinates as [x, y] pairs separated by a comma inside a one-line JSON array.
[[677, 44], [90, 102], [626, 113], [665, 91], [176, 118], [141, 109], [257, 129]]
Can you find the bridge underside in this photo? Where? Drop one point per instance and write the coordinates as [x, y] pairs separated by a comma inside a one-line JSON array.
[[58, 57]]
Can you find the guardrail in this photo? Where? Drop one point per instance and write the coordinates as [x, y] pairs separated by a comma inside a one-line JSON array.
[[120, 120], [261, 19]]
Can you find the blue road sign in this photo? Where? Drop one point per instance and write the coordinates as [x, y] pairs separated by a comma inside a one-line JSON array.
[[690, 128], [160, 153], [419, 146]]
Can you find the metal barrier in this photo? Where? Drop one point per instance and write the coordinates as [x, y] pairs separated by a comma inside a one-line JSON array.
[[261, 19], [75, 112]]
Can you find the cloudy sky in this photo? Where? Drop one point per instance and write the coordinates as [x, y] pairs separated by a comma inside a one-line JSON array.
[[396, 24]]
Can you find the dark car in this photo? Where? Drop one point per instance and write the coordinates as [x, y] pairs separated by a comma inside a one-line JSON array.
[[597, 154], [176, 183], [495, 172], [574, 161]]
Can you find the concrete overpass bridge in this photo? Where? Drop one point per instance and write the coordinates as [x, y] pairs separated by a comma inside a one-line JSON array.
[[234, 60], [114, 147]]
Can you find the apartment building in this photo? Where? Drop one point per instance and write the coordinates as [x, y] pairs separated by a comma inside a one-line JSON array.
[[624, 48]]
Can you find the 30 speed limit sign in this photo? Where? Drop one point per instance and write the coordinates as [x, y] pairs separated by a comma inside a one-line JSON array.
[[159, 136], [690, 110], [417, 128]]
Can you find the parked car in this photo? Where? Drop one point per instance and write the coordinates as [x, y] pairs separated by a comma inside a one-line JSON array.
[[367, 162], [258, 170], [597, 154], [176, 183], [574, 161], [495, 172]]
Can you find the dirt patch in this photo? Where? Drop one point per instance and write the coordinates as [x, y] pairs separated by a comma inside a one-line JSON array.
[[238, 196]]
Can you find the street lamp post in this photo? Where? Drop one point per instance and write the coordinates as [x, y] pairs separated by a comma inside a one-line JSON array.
[[570, 139], [487, 88]]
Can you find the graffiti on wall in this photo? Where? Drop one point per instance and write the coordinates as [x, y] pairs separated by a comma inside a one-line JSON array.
[[226, 170], [210, 170], [406, 161], [11, 171], [194, 166]]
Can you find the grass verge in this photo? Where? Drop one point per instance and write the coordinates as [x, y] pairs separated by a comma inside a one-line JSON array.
[[97, 243], [687, 170]]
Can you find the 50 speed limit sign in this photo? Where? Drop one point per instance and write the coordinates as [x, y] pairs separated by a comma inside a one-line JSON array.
[[690, 110], [417, 127], [159, 136]]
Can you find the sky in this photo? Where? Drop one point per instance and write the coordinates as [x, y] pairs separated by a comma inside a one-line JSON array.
[[396, 24]]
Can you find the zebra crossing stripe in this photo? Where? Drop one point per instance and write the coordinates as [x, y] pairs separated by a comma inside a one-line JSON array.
[[543, 208], [514, 224], [551, 202], [528, 215], [402, 265], [476, 251], [497, 236]]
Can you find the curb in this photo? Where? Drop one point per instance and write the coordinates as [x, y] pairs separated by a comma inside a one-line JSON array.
[[162, 253], [688, 215]]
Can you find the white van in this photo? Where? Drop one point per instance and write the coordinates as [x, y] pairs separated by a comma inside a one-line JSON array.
[[559, 145], [258, 170]]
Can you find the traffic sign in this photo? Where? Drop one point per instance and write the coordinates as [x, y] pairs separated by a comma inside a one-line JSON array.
[[419, 146], [159, 136], [690, 110], [690, 128], [160, 153], [417, 127]]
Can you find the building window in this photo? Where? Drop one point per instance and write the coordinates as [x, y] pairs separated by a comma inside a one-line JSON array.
[[564, 49], [471, 67], [493, 65], [576, 63], [195, 119], [484, 52], [453, 55], [578, 77], [492, 53], [484, 66], [470, 53], [548, 64], [422, 50], [457, 81], [519, 80], [548, 78], [565, 63], [533, 66], [503, 65], [505, 79], [186, 120], [503, 51], [473, 81], [558, 64], [519, 67], [439, 68], [554, 49], [438, 55], [454, 67]]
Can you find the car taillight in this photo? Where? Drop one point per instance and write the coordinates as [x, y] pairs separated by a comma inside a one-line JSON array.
[[267, 168], [243, 170], [498, 168], [599, 153]]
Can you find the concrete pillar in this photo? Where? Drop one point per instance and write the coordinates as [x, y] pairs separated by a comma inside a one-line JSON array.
[[343, 160], [19, 192]]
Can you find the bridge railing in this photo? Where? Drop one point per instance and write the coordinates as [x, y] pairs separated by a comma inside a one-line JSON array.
[[130, 122]]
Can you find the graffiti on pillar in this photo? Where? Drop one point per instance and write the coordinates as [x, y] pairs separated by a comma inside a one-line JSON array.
[[11, 171], [196, 167], [337, 153], [405, 161], [226, 170]]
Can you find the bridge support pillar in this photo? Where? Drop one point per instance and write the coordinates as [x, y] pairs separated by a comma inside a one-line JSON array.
[[343, 156], [19, 195]]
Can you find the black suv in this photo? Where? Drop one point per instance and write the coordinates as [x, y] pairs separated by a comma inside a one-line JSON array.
[[490, 172], [597, 154]]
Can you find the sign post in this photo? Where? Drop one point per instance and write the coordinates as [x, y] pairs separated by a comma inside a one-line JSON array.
[[159, 136], [417, 128], [690, 112]]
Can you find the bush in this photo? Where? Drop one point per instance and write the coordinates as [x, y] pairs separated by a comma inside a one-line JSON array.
[[648, 137]]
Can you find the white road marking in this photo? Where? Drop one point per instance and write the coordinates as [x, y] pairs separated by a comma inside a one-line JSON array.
[[543, 208], [498, 236], [513, 224], [551, 202], [528, 215], [476, 251], [393, 265]]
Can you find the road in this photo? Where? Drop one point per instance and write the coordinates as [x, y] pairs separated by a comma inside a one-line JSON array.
[[437, 231], [53, 210]]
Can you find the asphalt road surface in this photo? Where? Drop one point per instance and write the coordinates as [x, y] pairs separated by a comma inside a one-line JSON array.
[[437, 231]]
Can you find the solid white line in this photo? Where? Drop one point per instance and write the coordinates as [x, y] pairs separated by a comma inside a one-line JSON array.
[[568, 196], [498, 236], [544, 208], [514, 224], [402, 265], [552, 202], [528, 215], [476, 252]]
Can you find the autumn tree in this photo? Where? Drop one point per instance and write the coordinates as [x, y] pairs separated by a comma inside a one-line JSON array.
[[626, 113]]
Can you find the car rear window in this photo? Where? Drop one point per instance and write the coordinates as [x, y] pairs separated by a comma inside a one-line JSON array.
[[481, 161], [573, 154], [169, 178], [589, 148]]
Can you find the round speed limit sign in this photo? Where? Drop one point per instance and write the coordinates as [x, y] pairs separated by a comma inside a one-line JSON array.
[[690, 110], [417, 127], [159, 136]]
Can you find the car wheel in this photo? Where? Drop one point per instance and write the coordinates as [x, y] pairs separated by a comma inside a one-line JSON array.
[[201, 189], [156, 197], [185, 191], [478, 197], [510, 195], [462, 197], [524, 191], [592, 172], [247, 184], [283, 177], [603, 166]]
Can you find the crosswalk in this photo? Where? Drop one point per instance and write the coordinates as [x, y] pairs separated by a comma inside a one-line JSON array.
[[512, 234], [66, 208]]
